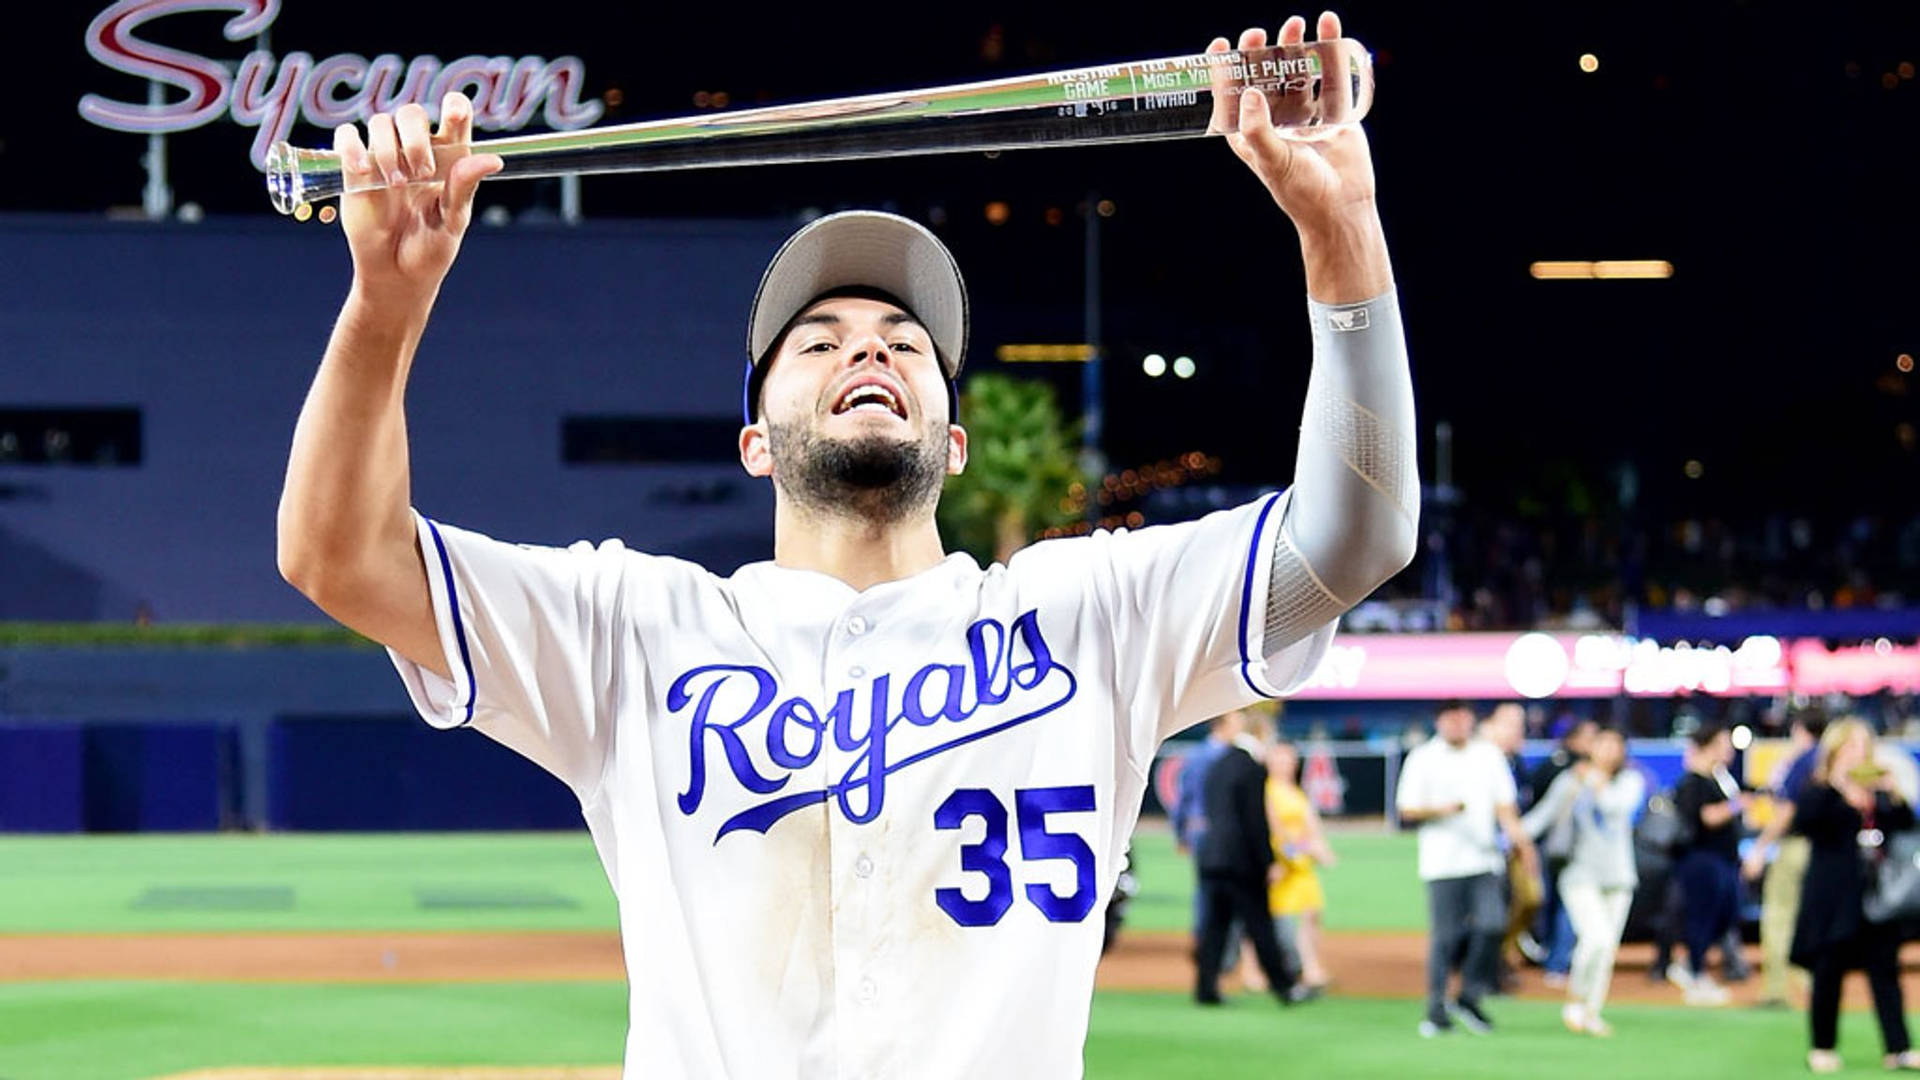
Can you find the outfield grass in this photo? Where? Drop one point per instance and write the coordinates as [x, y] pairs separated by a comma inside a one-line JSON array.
[[132, 1031], [105, 884], [1141, 1036], [470, 881], [1374, 887], [135, 1030], [99, 635]]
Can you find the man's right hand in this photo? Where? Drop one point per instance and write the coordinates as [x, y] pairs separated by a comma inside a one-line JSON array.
[[1424, 814], [404, 238]]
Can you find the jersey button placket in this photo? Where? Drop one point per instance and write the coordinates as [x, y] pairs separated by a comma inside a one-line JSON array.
[[854, 627], [863, 950], [852, 890]]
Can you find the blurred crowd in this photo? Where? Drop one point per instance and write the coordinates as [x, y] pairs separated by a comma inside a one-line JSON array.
[[1551, 864], [1893, 714], [1257, 845], [1577, 571]]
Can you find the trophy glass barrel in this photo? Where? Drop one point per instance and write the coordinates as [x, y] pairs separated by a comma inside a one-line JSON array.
[[1311, 89], [297, 177], [283, 179]]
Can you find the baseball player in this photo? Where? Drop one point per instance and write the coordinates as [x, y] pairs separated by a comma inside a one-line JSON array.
[[859, 804]]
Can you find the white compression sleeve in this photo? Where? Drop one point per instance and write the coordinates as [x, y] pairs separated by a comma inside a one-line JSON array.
[[1352, 519]]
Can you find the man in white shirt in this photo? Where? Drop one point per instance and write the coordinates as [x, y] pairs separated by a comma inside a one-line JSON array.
[[1459, 791]]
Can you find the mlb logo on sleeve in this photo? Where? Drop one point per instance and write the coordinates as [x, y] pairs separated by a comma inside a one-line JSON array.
[[1348, 320]]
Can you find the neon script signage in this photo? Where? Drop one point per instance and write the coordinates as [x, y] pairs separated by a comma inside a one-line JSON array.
[[1418, 666], [269, 93]]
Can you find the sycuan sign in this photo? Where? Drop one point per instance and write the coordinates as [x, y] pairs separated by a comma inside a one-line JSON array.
[[269, 93]]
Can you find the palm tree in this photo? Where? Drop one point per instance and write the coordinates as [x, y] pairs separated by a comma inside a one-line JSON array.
[[1022, 475]]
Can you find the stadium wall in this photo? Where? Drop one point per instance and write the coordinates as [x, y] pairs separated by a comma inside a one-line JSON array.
[[213, 332]]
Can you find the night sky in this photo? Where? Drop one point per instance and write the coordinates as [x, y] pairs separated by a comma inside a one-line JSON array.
[[1767, 150]]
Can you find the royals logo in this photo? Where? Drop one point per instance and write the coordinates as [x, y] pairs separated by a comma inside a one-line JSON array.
[[270, 92], [1010, 678]]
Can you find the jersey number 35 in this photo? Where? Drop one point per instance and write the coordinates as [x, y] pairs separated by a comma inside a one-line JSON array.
[[989, 857]]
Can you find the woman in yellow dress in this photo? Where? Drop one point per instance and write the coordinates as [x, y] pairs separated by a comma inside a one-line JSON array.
[[1299, 849]]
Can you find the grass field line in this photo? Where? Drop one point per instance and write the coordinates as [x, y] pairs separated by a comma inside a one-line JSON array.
[[178, 1031], [404, 1072], [539, 956], [1373, 964]]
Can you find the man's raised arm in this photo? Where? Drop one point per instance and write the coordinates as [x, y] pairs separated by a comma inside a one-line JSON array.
[[346, 534], [1351, 521]]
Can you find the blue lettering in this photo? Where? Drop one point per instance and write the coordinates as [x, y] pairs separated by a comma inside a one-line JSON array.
[[913, 706], [1001, 661], [869, 770], [1029, 675], [730, 742], [988, 666], [798, 711]]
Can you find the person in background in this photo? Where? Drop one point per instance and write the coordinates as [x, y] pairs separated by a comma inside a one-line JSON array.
[[1188, 816], [1552, 929], [1847, 810], [1902, 770], [1300, 848], [1572, 749], [1458, 790], [1235, 858], [1506, 728], [1734, 967], [1780, 894], [1707, 865], [1594, 801]]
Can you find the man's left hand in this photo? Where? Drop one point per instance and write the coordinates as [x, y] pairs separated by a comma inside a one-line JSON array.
[[1318, 181], [1324, 183]]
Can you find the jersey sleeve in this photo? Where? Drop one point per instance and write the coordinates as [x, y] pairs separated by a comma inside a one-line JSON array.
[[1500, 781], [1548, 810], [1411, 791], [1187, 607], [530, 636]]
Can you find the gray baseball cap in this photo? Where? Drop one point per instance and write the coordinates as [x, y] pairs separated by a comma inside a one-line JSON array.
[[864, 249]]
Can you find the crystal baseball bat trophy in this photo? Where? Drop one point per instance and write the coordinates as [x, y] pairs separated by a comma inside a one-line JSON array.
[[1310, 88]]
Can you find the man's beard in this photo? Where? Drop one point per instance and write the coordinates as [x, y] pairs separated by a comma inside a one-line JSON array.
[[872, 478]]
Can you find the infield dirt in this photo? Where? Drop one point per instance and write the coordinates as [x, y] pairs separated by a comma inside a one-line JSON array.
[[1370, 964]]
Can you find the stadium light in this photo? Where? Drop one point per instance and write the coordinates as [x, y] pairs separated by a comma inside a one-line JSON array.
[[1078, 353], [1606, 269]]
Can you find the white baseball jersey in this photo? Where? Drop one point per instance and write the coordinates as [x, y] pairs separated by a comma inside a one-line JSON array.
[[857, 833], [1437, 773]]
